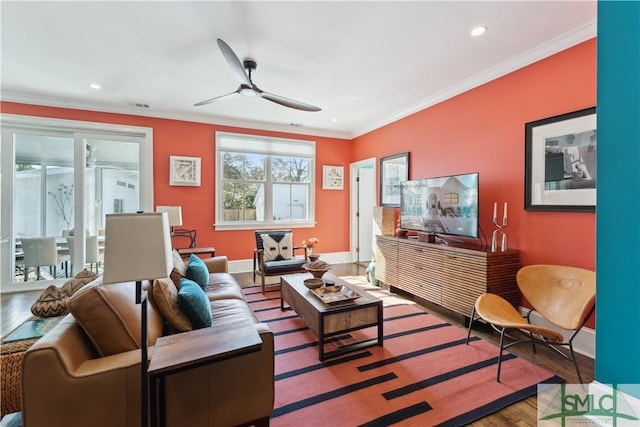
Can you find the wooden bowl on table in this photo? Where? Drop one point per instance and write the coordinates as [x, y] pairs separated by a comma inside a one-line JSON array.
[[317, 268], [314, 283]]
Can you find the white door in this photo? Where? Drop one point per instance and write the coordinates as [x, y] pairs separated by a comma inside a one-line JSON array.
[[363, 200]]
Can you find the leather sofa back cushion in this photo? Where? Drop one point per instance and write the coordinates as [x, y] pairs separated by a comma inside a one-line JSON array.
[[110, 317]]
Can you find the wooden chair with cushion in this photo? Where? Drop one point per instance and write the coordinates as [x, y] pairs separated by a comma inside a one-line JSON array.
[[275, 255], [562, 295]]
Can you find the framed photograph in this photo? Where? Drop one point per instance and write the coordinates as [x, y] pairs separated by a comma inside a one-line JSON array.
[[393, 170], [560, 162], [184, 171], [332, 177]]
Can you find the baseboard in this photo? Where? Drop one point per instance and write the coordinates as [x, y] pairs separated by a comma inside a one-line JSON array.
[[583, 343]]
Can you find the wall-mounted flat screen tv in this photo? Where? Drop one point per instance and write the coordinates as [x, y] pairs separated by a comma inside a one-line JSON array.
[[442, 205]]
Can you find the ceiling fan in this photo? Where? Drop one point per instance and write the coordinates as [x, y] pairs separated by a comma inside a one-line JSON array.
[[247, 88]]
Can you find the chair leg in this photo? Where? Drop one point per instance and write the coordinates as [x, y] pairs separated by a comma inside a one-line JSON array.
[[500, 354], [263, 284], [471, 319], [573, 356], [533, 342]]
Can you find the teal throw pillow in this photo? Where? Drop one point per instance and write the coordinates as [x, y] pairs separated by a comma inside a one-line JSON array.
[[194, 303], [197, 271]]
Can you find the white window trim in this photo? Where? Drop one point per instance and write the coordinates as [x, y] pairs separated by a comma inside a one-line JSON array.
[[219, 225]]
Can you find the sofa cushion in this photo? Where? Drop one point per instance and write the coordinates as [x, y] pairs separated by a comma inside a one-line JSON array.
[[277, 246], [111, 318], [223, 286], [197, 271], [72, 286], [232, 312], [195, 304], [165, 296], [53, 302], [179, 269]]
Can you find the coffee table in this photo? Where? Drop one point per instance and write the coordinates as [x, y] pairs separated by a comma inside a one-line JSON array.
[[330, 320]]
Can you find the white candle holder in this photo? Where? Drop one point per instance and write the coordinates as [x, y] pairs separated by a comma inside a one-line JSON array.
[[499, 230]]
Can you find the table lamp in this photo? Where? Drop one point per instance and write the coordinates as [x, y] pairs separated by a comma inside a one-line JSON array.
[[138, 247]]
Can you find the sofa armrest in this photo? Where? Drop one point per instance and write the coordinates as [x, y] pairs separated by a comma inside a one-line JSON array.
[[65, 383], [217, 264]]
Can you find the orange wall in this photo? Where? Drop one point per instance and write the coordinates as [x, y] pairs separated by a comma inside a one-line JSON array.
[[480, 130], [483, 130], [181, 138]]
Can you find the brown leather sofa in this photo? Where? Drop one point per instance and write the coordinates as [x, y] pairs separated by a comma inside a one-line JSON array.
[[67, 380]]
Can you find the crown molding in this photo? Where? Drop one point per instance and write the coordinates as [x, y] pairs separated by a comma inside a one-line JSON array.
[[197, 118], [572, 38]]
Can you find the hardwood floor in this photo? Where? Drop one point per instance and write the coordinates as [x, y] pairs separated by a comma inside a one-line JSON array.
[[15, 308]]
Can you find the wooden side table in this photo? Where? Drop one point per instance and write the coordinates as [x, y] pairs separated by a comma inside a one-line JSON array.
[[186, 252], [205, 346]]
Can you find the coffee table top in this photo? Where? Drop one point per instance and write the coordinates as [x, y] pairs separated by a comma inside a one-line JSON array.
[[296, 282]]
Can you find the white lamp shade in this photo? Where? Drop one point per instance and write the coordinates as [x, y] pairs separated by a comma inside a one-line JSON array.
[[137, 247], [175, 214]]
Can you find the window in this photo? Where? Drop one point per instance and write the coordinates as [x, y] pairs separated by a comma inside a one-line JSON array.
[[263, 181], [64, 175], [451, 198]]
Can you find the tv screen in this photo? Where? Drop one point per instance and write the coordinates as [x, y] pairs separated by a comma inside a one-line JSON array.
[[442, 205]]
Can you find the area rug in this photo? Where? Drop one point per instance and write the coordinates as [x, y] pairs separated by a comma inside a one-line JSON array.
[[424, 375]]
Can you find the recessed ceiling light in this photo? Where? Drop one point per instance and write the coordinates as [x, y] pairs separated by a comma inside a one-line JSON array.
[[478, 31], [335, 119], [95, 86]]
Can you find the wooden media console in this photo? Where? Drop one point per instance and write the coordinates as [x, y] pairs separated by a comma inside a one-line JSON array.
[[450, 276]]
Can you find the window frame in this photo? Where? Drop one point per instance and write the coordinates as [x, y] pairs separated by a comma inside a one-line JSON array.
[[274, 146], [79, 132]]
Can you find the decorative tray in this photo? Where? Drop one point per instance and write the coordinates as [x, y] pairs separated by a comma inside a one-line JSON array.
[[332, 295]]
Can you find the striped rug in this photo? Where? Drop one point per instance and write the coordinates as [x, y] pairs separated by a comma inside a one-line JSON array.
[[424, 375]]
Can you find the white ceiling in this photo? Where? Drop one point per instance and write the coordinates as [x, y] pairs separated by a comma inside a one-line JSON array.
[[365, 63]]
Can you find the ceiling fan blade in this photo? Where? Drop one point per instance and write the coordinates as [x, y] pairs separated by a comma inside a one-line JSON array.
[[217, 98], [286, 101], [234, 62]]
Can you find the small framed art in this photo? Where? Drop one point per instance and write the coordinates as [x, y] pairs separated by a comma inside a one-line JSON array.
[[332, 177], [184, 171]]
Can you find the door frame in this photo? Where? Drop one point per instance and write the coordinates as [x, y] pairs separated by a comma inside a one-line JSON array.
[[353, 210]]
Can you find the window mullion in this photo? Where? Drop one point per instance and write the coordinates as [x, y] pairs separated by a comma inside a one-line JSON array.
[[268, 191]]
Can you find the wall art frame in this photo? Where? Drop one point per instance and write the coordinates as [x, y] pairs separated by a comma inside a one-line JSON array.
[[560, 162], [332, 177], [393, 170], [184, 171]]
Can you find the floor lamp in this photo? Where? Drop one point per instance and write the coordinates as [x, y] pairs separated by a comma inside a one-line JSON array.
[[138, 247]]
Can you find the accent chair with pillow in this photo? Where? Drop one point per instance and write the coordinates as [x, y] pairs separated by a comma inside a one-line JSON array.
[[275, 255]]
